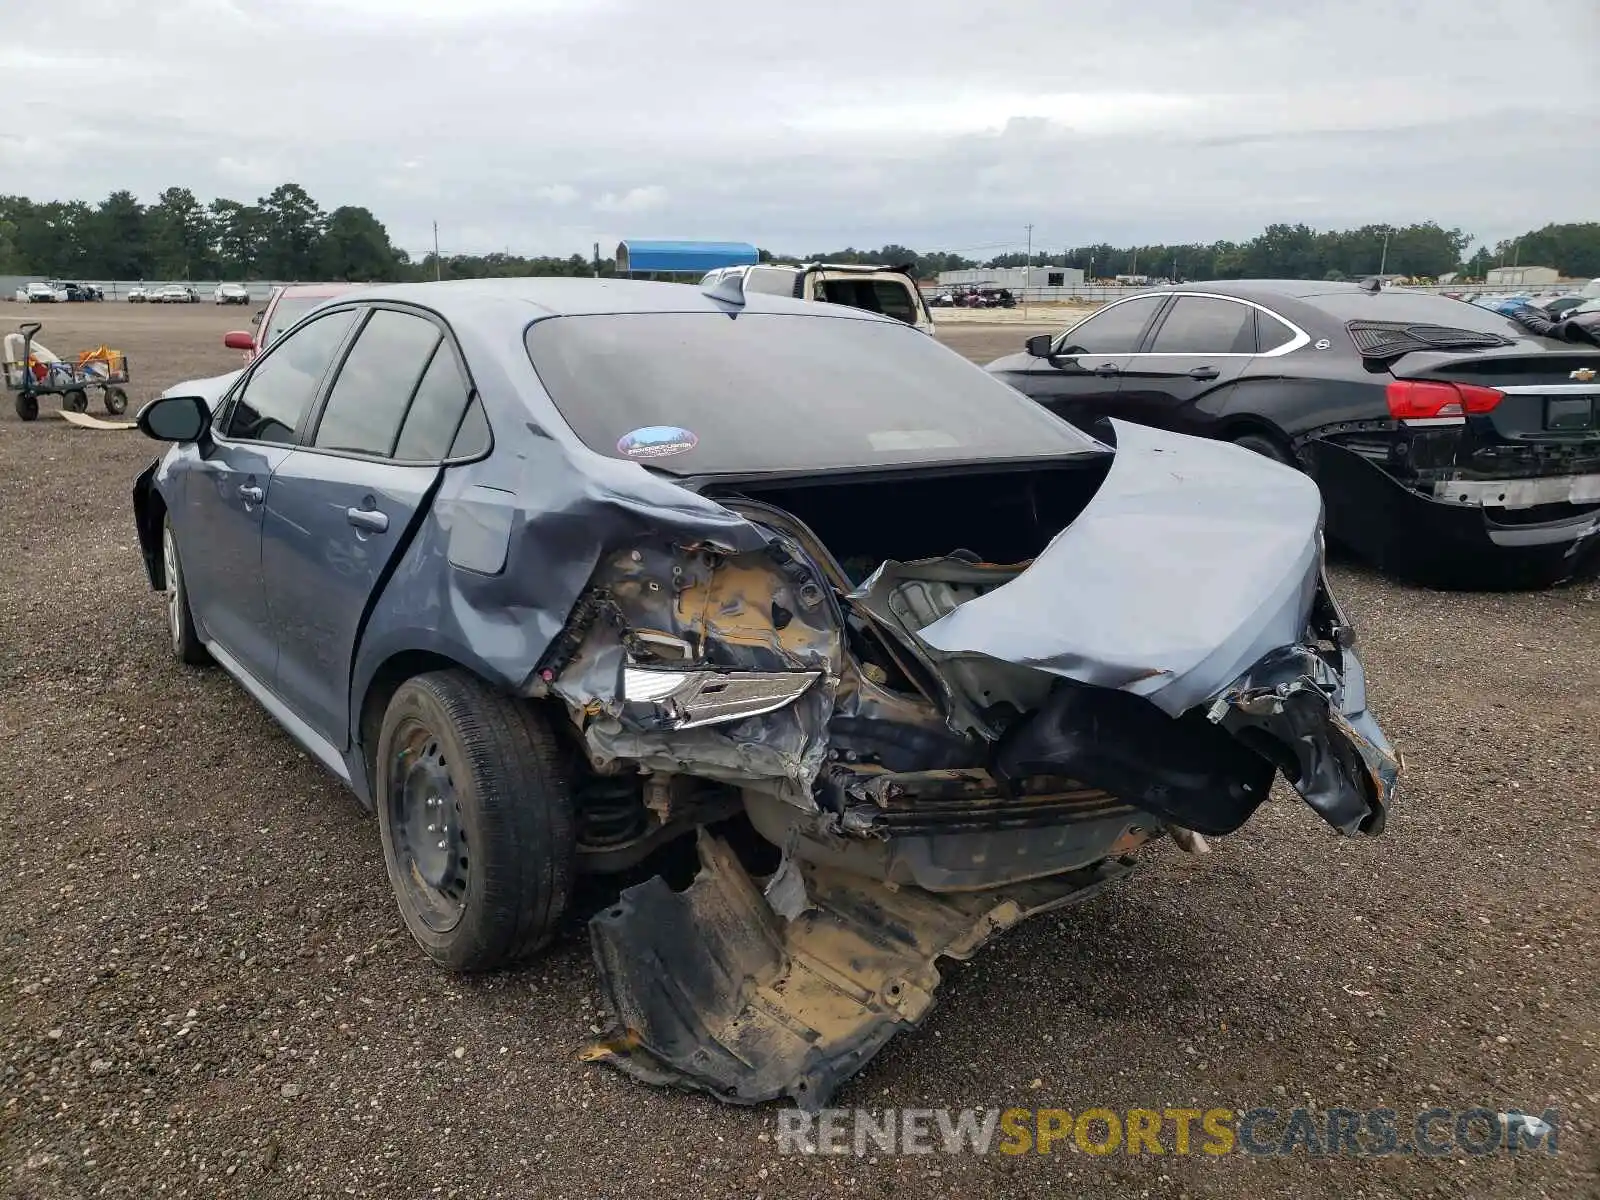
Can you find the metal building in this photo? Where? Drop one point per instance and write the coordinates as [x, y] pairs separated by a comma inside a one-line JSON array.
[[1521, 276], [635, 257], [1039, 281]]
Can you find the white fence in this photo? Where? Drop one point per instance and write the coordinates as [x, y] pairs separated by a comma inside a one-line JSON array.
[[117, 289], [1096, 293]]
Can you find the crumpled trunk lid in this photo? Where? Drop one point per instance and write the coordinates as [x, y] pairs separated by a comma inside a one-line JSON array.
[[1193, 560], [1188, 599]]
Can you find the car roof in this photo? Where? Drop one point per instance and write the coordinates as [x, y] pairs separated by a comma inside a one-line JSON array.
[[526, 299], [1265, 289], [319, 290]]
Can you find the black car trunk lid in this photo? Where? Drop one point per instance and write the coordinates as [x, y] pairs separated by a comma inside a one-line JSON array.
[[1545, 422]]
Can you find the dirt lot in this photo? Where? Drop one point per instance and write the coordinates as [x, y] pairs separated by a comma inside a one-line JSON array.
[[205, 989]]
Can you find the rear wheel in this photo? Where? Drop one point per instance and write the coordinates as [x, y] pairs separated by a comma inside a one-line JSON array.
[[477, 822], [115, 400], [1265, 446], [77, 400]]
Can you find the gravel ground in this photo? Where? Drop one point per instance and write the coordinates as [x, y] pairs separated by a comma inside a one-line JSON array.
[[205, 989]]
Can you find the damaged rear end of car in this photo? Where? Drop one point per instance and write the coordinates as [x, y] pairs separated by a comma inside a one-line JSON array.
[[948, 691], [1487, 470]]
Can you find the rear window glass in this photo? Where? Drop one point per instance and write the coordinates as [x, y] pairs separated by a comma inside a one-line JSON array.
[[708, 393], [887, 296]]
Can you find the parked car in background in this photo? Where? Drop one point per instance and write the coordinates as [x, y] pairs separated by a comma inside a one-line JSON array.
[[550, 573], [137, 294], [76, 292], [231, 293], [175, 293], [286, 305], [40, 293], [1452, 445], [891, 291]]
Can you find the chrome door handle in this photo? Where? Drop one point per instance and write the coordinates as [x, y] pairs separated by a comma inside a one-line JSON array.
[[251, 494], [367, 518]]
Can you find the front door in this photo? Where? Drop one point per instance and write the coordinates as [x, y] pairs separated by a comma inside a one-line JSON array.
[[1082, 379], [344, 506], [227, 495], [218, 531]]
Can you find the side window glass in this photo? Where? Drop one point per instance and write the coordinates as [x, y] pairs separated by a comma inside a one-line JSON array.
[[1200, 325], [435, 412], [473, 437], [369, 398], [283, 386], [1116, 330], [1271, 332]]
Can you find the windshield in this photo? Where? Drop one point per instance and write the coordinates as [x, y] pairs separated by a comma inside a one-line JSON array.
[[286, 312], [707, 393]]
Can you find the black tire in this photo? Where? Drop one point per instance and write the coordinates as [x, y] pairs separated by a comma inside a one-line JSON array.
[[185, 640], [482, 773], [1265, 446], [27, 407], [115, 400], [77, 400]]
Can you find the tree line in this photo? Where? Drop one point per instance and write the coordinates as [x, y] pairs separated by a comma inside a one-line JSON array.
[[1283, 251], [287, 235]]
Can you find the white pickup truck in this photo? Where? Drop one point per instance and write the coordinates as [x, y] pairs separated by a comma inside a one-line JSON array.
[[891, 291]]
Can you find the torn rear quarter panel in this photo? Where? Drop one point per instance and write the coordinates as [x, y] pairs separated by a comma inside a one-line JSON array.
[[694, 612]]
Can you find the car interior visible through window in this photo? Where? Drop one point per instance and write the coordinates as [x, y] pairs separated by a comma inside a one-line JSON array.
[[436, 411], [1203, 325], [373, 389], [280, 390], [1113, 330]]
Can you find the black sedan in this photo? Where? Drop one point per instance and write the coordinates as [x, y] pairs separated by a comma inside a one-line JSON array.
[[1453, 446]]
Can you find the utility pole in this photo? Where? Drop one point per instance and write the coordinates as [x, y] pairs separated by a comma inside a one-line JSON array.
[[1383, 261], [438, 271], [597, 260], [1027, 273]]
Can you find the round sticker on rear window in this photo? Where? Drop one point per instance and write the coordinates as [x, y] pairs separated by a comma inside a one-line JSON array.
[[656, 441]]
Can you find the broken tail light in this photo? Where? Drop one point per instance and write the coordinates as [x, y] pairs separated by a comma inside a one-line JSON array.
[[1425, 399]]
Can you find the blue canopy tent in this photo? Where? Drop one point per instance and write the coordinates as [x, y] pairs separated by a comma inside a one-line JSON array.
[[681, 258]]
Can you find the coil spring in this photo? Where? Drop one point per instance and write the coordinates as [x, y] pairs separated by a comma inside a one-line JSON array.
[[611, 812]]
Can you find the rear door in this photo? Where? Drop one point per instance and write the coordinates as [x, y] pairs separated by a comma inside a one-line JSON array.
[[1201, 343], [1082, 380], [344, 503], [218, 526]]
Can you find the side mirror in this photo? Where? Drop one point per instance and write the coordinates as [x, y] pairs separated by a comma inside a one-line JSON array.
[[239, 340], [175, 419], [1039, 345]]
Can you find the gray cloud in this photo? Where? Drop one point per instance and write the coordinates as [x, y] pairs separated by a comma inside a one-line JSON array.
[[545, 125]]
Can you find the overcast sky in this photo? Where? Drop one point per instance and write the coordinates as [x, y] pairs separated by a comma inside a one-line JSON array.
[[805, 125]]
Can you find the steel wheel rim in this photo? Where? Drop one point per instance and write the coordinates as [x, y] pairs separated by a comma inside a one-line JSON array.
[[426, 833], [169, 562]]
